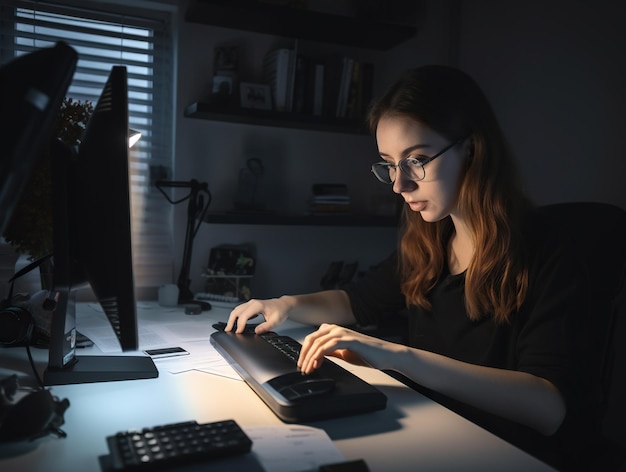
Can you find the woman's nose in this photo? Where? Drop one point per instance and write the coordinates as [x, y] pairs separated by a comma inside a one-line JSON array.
[[403, 183]]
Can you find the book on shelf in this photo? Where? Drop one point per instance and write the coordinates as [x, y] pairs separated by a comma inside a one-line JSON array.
[[301, 85], [367, 88], [345, 82], [308, 89], [318, 88], [348, 87], [333, 86], [278, 72], [360, 91], [333, 68], [330, 198]]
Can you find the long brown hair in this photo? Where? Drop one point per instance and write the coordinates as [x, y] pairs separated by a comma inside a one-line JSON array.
[[450, 103]]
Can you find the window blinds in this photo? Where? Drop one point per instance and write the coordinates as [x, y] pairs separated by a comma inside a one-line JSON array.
[[103, 36]]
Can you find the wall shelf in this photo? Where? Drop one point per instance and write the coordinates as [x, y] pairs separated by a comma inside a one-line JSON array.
[[364, 31], [371, 31], [273, 219], [213, 112]]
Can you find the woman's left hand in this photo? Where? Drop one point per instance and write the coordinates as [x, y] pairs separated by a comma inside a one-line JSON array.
[[343, 343]]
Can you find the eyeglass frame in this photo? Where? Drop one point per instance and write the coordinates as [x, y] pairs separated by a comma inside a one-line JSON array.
[[421, 163]]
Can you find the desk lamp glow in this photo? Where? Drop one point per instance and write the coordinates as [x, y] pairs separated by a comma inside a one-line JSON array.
[[133, 137]]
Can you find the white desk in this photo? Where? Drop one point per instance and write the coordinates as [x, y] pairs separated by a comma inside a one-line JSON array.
[[413, 433]]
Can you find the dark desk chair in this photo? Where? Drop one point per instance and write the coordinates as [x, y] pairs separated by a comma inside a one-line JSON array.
[[599, 230]]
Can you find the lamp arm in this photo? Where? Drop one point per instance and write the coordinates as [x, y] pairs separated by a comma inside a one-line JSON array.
[[195, 206], [184, 281]]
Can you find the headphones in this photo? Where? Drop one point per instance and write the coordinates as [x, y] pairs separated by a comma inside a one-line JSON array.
[[16, 325], [36, 415], [22, 323], [25, 321]]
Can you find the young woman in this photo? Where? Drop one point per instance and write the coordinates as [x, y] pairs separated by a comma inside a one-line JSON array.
[[494, 303]]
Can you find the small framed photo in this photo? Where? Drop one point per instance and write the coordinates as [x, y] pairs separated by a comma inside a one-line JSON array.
[[222, 85], [225, 58], [255, 96]]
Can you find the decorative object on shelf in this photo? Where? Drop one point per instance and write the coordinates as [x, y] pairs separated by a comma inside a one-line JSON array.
[[222, 89], [30, 230], [229, 273], [247, 198], [225, 75], [256, 96]]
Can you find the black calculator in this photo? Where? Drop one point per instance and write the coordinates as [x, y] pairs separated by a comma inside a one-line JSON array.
[[176, 444]]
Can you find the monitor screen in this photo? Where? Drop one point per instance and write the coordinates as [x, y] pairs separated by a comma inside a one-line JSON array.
[[32, 88], [92, 242]]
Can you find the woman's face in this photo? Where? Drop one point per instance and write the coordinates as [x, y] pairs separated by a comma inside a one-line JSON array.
[[435, 197]]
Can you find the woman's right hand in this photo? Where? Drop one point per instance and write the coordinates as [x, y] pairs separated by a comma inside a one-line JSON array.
[[273, 310]]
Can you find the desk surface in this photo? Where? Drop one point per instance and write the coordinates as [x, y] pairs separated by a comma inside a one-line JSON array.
[[412, 433]]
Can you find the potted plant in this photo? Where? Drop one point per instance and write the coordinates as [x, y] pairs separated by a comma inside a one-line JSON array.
[[30, 230]]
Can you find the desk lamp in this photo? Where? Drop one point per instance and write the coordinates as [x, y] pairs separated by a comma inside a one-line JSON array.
[[133, 137], [196, 208]]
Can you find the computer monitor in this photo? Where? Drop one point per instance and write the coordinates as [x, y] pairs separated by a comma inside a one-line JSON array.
[[92, 243], [32, 88]]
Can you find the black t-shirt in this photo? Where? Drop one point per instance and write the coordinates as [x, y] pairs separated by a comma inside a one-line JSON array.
[[547, 337]]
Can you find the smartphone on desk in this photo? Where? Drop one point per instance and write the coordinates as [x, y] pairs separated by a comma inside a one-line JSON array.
[[166, 352]]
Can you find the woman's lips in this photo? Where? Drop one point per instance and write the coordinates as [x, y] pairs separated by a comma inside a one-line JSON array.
[[417, 206]]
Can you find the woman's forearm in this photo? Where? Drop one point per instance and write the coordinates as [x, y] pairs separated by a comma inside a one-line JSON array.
[[517, 396], [329, 306]]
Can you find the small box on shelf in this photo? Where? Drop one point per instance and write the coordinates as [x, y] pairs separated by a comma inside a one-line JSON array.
[[229, 273]]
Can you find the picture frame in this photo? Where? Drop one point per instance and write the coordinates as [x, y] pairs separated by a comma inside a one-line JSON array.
[[222, 86], [254, 95], [225, 58]]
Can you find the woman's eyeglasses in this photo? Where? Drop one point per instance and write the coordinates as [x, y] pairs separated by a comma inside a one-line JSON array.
[[411, 167]]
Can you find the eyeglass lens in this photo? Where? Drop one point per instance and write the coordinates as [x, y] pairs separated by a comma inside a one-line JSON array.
[[411, 167]]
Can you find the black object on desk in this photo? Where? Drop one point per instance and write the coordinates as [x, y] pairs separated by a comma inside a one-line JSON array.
[[267, 363], [173, 445]]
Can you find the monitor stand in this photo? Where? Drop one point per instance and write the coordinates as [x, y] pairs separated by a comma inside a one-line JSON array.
[[65, 367], [89, 369]]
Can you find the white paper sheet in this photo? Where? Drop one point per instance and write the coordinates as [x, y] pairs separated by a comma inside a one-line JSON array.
[[292, 448]]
